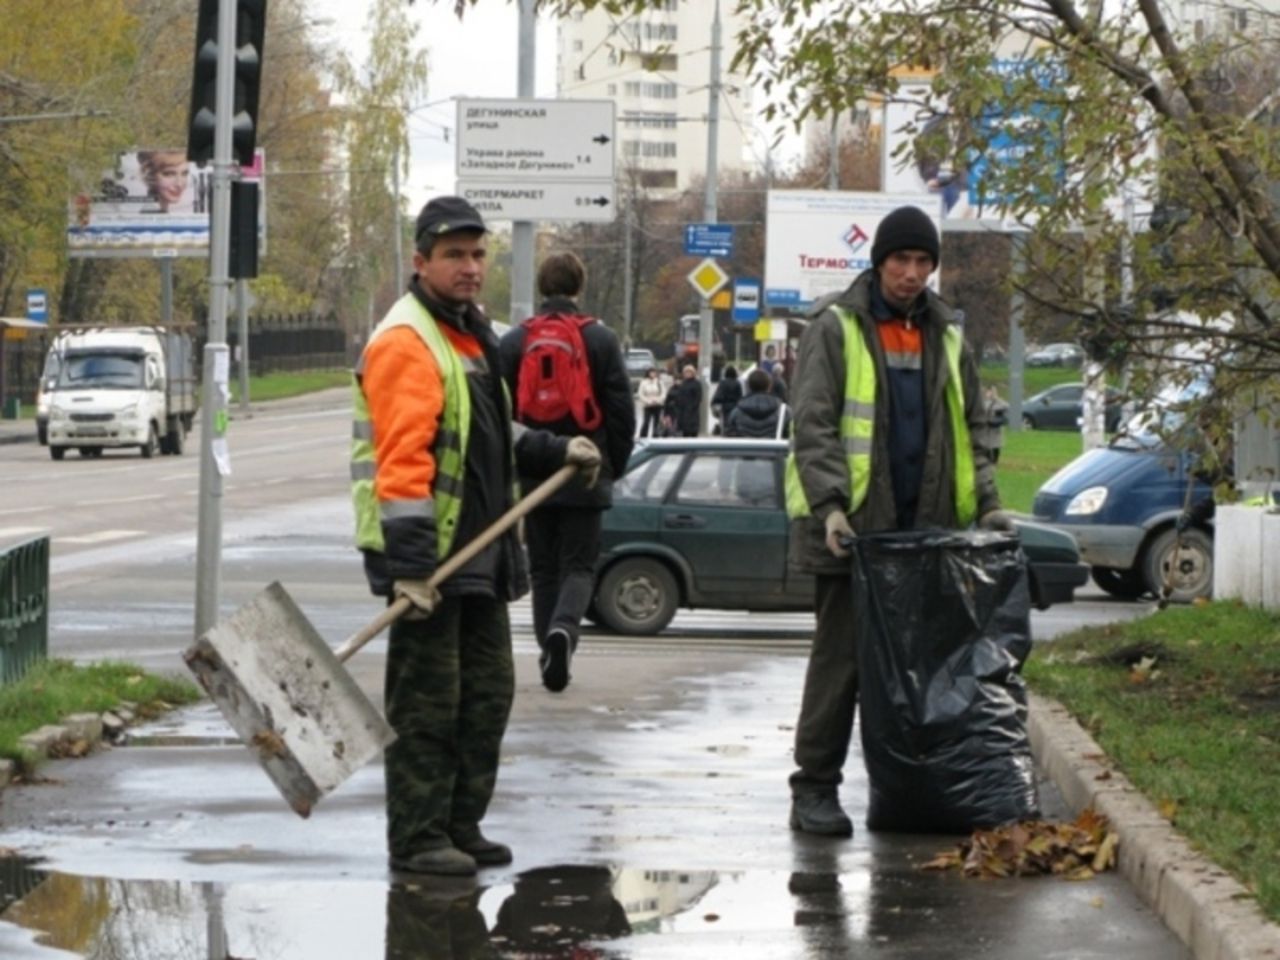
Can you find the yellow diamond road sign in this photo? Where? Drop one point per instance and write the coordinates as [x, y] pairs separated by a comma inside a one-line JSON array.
[[708, 277]]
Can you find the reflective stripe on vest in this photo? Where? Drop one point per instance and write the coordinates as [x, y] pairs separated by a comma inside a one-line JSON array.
[[857, 423], [448, 449]]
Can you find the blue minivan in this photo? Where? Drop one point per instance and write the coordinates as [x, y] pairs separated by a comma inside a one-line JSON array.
[[1122, 503]]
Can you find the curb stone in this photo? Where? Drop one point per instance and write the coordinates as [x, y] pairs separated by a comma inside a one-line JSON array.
[[1208, 909], [92, 728]]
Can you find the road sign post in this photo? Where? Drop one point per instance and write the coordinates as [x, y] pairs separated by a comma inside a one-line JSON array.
[[37, 305], [578, 200], [530, 160], [746, 301], [707, 278], [708, 240]]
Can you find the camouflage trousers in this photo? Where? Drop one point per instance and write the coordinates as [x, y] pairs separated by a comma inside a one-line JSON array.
[[449, 685]]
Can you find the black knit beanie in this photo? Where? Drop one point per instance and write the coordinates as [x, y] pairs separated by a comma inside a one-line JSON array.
[[907, 228]]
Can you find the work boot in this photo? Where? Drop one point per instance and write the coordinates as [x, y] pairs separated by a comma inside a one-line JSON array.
[[556, 651], [819, 813], [442, 861], [485, 852]]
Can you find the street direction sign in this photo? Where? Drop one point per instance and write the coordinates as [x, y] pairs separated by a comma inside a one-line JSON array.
[[746, 300], [708, 239], [37, 305], [708, 277], [537, 140], [516, 199]]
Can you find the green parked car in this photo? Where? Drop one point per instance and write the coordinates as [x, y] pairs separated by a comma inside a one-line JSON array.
[[699, 522]]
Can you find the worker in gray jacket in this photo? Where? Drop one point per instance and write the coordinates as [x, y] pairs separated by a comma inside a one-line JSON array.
[[886, 403]]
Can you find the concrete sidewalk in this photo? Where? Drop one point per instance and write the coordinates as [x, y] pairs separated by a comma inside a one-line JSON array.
[[18, 431]]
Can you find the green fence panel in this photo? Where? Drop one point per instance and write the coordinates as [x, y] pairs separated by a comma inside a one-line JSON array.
[[24, 607]]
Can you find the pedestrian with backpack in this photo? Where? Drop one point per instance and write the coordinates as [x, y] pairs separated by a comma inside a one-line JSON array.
[[566, 374]]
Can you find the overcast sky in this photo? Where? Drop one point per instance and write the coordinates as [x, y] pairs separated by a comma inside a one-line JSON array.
[[475, 57]]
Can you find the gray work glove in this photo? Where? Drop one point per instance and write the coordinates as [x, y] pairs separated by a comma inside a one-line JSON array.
[[585, 455], [838, 532], [420, 593], [997, 520]]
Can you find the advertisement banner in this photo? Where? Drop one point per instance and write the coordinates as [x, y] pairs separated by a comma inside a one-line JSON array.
[[818, 241], [154, 203]]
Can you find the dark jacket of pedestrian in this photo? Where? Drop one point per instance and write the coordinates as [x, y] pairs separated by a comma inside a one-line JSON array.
[[778, 384], [684, 400], [612, 387], [562, 535], [757, 415], [727, 394]]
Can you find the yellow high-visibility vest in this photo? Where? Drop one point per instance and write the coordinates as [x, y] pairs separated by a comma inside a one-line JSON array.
[[857, 426]]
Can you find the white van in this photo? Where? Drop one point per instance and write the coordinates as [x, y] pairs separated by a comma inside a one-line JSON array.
[[121, 387], [48, 378]]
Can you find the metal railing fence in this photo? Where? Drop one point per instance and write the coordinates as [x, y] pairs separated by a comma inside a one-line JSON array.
[[24, 607]]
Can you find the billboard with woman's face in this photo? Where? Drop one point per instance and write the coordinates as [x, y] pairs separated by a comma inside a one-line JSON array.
[[154, 203]]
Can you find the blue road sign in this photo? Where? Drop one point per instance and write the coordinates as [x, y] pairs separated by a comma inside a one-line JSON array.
[[746, 300], [37, 306], [708, 239]]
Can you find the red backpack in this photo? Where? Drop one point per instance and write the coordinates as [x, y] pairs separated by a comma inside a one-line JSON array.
[[554, 380]]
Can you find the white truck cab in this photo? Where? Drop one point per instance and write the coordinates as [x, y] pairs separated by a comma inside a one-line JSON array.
[[121, 387]]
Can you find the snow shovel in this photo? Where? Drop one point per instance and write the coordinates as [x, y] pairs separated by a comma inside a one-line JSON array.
[[286, 694]]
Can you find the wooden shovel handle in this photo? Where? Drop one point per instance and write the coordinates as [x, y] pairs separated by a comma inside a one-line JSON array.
[[459, 559]]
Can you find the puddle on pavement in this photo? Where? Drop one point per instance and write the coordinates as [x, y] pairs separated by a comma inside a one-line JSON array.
[[546, 912]]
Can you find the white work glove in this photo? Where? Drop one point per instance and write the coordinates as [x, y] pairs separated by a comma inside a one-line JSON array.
[[585, 455], [838, 529], [997, 520], [420, 593]]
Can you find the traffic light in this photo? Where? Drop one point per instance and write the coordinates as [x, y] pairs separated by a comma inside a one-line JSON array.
[[243, 257], [251, 28]]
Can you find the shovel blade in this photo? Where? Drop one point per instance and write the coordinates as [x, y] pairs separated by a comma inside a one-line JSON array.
[[288, 698]]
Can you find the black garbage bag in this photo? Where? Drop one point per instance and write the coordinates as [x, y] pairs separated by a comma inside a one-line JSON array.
[[943, 628]]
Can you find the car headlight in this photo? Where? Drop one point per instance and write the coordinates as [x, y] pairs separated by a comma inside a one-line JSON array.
[[1087, 502], [129, 413], [57, 413]]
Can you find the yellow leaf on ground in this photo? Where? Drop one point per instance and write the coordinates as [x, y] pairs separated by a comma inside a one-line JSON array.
[[1106, 855]]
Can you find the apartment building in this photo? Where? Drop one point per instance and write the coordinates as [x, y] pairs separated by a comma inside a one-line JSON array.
[[656, 66]]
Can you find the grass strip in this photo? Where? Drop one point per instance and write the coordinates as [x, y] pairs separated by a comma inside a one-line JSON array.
[[54, 689], [1029, 458], [1186, 703], [278, 386]]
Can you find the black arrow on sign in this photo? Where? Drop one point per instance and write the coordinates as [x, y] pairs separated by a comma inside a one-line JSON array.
[[600, 139], [601, 201]]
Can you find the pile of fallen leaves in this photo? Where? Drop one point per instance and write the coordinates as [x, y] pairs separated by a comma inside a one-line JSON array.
[[1074, 851]]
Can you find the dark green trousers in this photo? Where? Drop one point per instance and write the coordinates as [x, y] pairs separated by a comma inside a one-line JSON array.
[[449, 686], [830, 698]]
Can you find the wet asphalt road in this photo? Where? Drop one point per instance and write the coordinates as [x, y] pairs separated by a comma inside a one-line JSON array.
[[647, 805]]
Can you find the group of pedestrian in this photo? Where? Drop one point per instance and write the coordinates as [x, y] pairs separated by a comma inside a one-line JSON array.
[[886, 412], [678, 411]]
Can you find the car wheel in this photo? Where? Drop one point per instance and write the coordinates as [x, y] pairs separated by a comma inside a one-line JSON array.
[[176, 440], [152, 446], [1124, 584], [42, 435], [637, 596], [57, 452], [1187, 565], [1028, 422]]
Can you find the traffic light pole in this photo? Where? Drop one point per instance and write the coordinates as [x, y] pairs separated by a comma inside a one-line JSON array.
[[214, 462], [522, 231], [706, 335]]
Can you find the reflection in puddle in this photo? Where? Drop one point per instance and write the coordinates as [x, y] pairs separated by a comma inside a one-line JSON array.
[[565, 911]]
